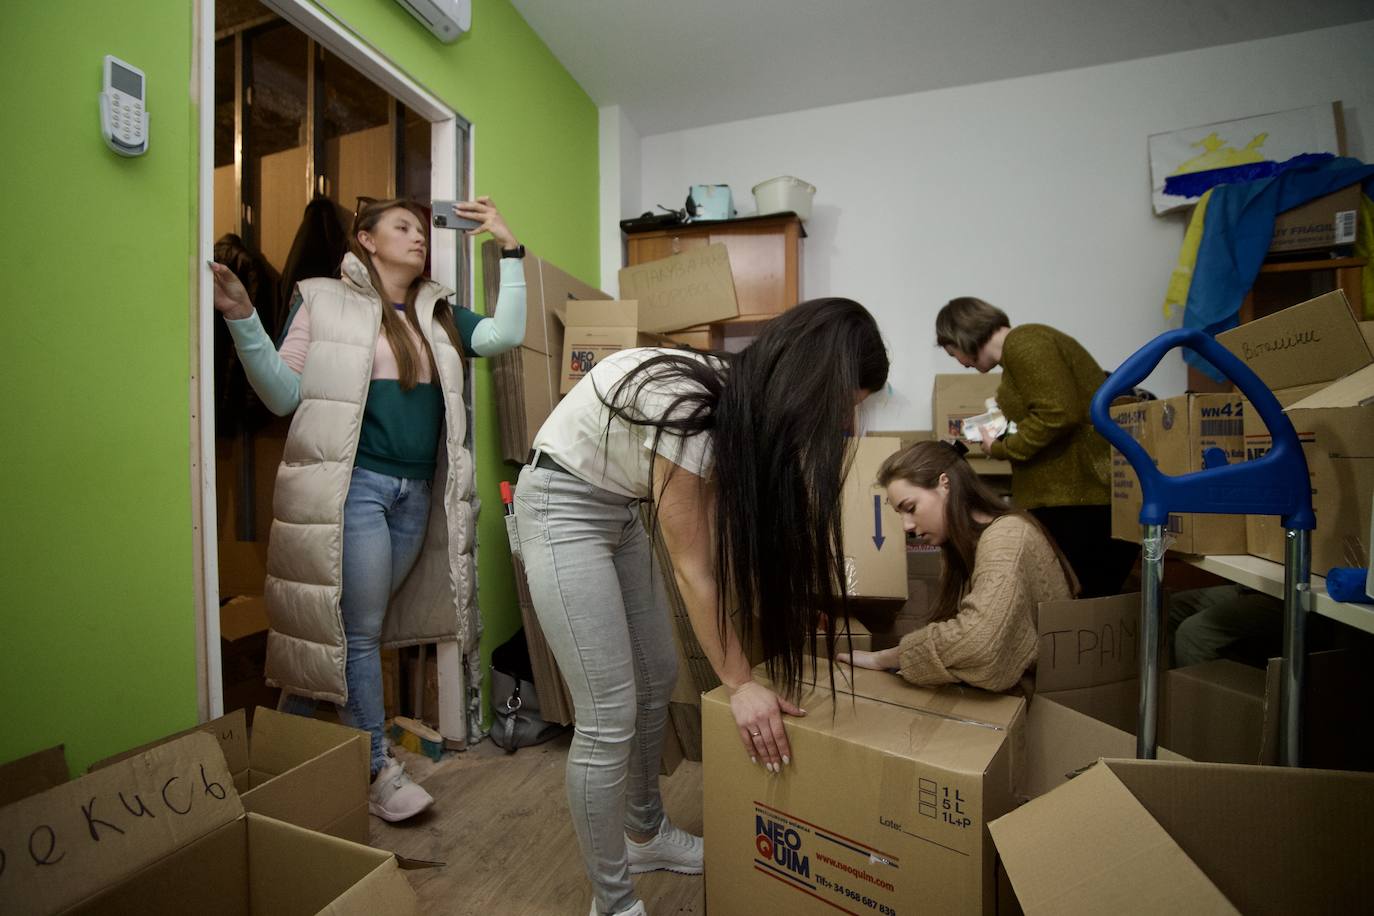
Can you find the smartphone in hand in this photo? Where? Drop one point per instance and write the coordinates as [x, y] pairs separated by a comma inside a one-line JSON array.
[[445, 218]]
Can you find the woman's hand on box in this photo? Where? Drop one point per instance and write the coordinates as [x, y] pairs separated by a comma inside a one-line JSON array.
[[758, 712], [885, 660]]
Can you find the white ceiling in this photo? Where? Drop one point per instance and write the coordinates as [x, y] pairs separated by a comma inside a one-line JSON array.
[[674, 64]]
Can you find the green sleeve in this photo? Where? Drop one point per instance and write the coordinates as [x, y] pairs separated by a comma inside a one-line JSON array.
[[1046, 381], [467, 321]]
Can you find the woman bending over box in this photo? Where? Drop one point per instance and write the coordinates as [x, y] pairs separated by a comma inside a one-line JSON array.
[[998, 566]]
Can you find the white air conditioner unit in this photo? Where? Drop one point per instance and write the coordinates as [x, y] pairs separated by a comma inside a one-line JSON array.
[[447, 19]]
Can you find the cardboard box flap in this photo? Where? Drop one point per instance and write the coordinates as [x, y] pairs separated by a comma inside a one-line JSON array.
[[957, 702], [38, 772], [1089, 847], [109, 824], [1084, 643], [282, 741], [230, 730], [687, 289], [1354, 390], [1314, 341], [609, 313], [1272, 839], [1063, 741]]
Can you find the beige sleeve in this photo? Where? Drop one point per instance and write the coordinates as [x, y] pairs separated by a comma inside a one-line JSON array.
[[991, 641]]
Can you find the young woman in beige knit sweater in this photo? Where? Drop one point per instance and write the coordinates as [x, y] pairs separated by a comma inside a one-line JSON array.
[[998, 566]]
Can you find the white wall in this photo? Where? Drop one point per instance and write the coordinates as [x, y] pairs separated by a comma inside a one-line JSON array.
[[1032, 193], [619, 147]]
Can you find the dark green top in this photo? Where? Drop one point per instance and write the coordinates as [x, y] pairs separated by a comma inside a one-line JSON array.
[[400, 434], [1057, 458]]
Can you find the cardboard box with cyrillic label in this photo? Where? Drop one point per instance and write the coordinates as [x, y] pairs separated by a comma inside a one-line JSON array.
[[688, 289], [1317, 360], [1175, 432], [885, 802], [307, 772], [165, 832]]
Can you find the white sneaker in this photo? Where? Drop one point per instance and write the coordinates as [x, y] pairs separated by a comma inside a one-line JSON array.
[[636, 910], [673, 850], [394, 796]]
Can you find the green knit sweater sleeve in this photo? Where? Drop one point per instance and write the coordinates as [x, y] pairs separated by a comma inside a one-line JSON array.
[[1045, 380]]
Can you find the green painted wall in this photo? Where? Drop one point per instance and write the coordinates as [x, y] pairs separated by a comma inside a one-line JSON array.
[[97, 603]]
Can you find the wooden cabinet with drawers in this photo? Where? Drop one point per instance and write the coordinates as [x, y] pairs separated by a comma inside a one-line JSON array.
[[765, 259]]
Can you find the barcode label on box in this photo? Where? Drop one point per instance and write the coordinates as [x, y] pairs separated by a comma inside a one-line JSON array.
[[1218, 428], [1345, 227]]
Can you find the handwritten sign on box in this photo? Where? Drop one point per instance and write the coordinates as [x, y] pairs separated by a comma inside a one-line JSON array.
[[64, 845], [695, 287]]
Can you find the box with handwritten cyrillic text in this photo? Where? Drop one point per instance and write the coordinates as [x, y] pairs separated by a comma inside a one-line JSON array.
[[883, 808], [164, 832], [307, 772]]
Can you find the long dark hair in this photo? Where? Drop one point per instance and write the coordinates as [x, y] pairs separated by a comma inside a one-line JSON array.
[[370, 213], [921, 465], [777, 413]]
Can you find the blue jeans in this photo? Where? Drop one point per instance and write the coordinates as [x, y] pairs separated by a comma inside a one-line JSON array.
[[383, 529], [601, 604]]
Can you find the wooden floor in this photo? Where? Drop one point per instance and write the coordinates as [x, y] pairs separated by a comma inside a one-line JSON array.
[[500, 823]]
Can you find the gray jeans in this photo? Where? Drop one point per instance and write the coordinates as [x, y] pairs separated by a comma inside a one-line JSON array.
[[601, 604]]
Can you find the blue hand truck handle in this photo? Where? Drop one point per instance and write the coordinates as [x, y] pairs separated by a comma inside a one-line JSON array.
[[1276, 484]]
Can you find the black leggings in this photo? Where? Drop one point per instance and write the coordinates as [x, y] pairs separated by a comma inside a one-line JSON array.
[[1084, 534]]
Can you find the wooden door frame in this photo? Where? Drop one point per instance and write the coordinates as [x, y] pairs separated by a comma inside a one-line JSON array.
[[451, 142]]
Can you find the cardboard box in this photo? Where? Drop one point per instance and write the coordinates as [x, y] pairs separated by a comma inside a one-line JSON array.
[[1141, 836], [958, 396], [885, 802], [165, 832], [1315, 341], [687, 289], [1175, 432], [874, 542], [37, 772], [595, 330], [527, 378], [1325, 222], [1337, 436], [307, 772]]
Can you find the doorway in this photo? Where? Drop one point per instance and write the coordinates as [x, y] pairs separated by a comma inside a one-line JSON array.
[[300, 119]]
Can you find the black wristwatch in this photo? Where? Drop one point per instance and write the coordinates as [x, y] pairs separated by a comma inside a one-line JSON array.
[[517, 252]]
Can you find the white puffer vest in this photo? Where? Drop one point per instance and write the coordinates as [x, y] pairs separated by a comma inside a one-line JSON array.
[[306, 649]]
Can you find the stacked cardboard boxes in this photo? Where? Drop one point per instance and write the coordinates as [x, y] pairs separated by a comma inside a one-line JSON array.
[[1317, 361], [1175, 432]]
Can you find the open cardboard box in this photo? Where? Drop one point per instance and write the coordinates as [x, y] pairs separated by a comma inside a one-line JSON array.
[[885, 801], [1148, 837], [307, 772], [165, 831]]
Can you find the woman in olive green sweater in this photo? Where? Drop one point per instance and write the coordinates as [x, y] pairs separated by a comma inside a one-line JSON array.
[[1060, 466]]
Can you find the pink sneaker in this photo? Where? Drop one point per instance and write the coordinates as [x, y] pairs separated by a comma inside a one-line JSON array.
[[394, 796]]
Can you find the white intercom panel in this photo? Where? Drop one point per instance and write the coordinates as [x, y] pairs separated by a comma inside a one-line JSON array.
[[123, 115]]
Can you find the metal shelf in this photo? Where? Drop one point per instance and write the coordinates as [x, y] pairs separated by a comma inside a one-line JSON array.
[[1266, 576]]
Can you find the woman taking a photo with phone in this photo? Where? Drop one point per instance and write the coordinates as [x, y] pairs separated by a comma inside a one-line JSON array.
[[741, 457], [372, 538]]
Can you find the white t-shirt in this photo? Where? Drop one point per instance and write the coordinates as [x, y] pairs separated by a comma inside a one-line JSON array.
[[575, 434]]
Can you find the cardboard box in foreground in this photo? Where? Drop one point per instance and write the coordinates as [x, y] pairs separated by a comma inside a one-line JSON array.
[[307, 772], [164, 832], [1157, 836], [885, 803]]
